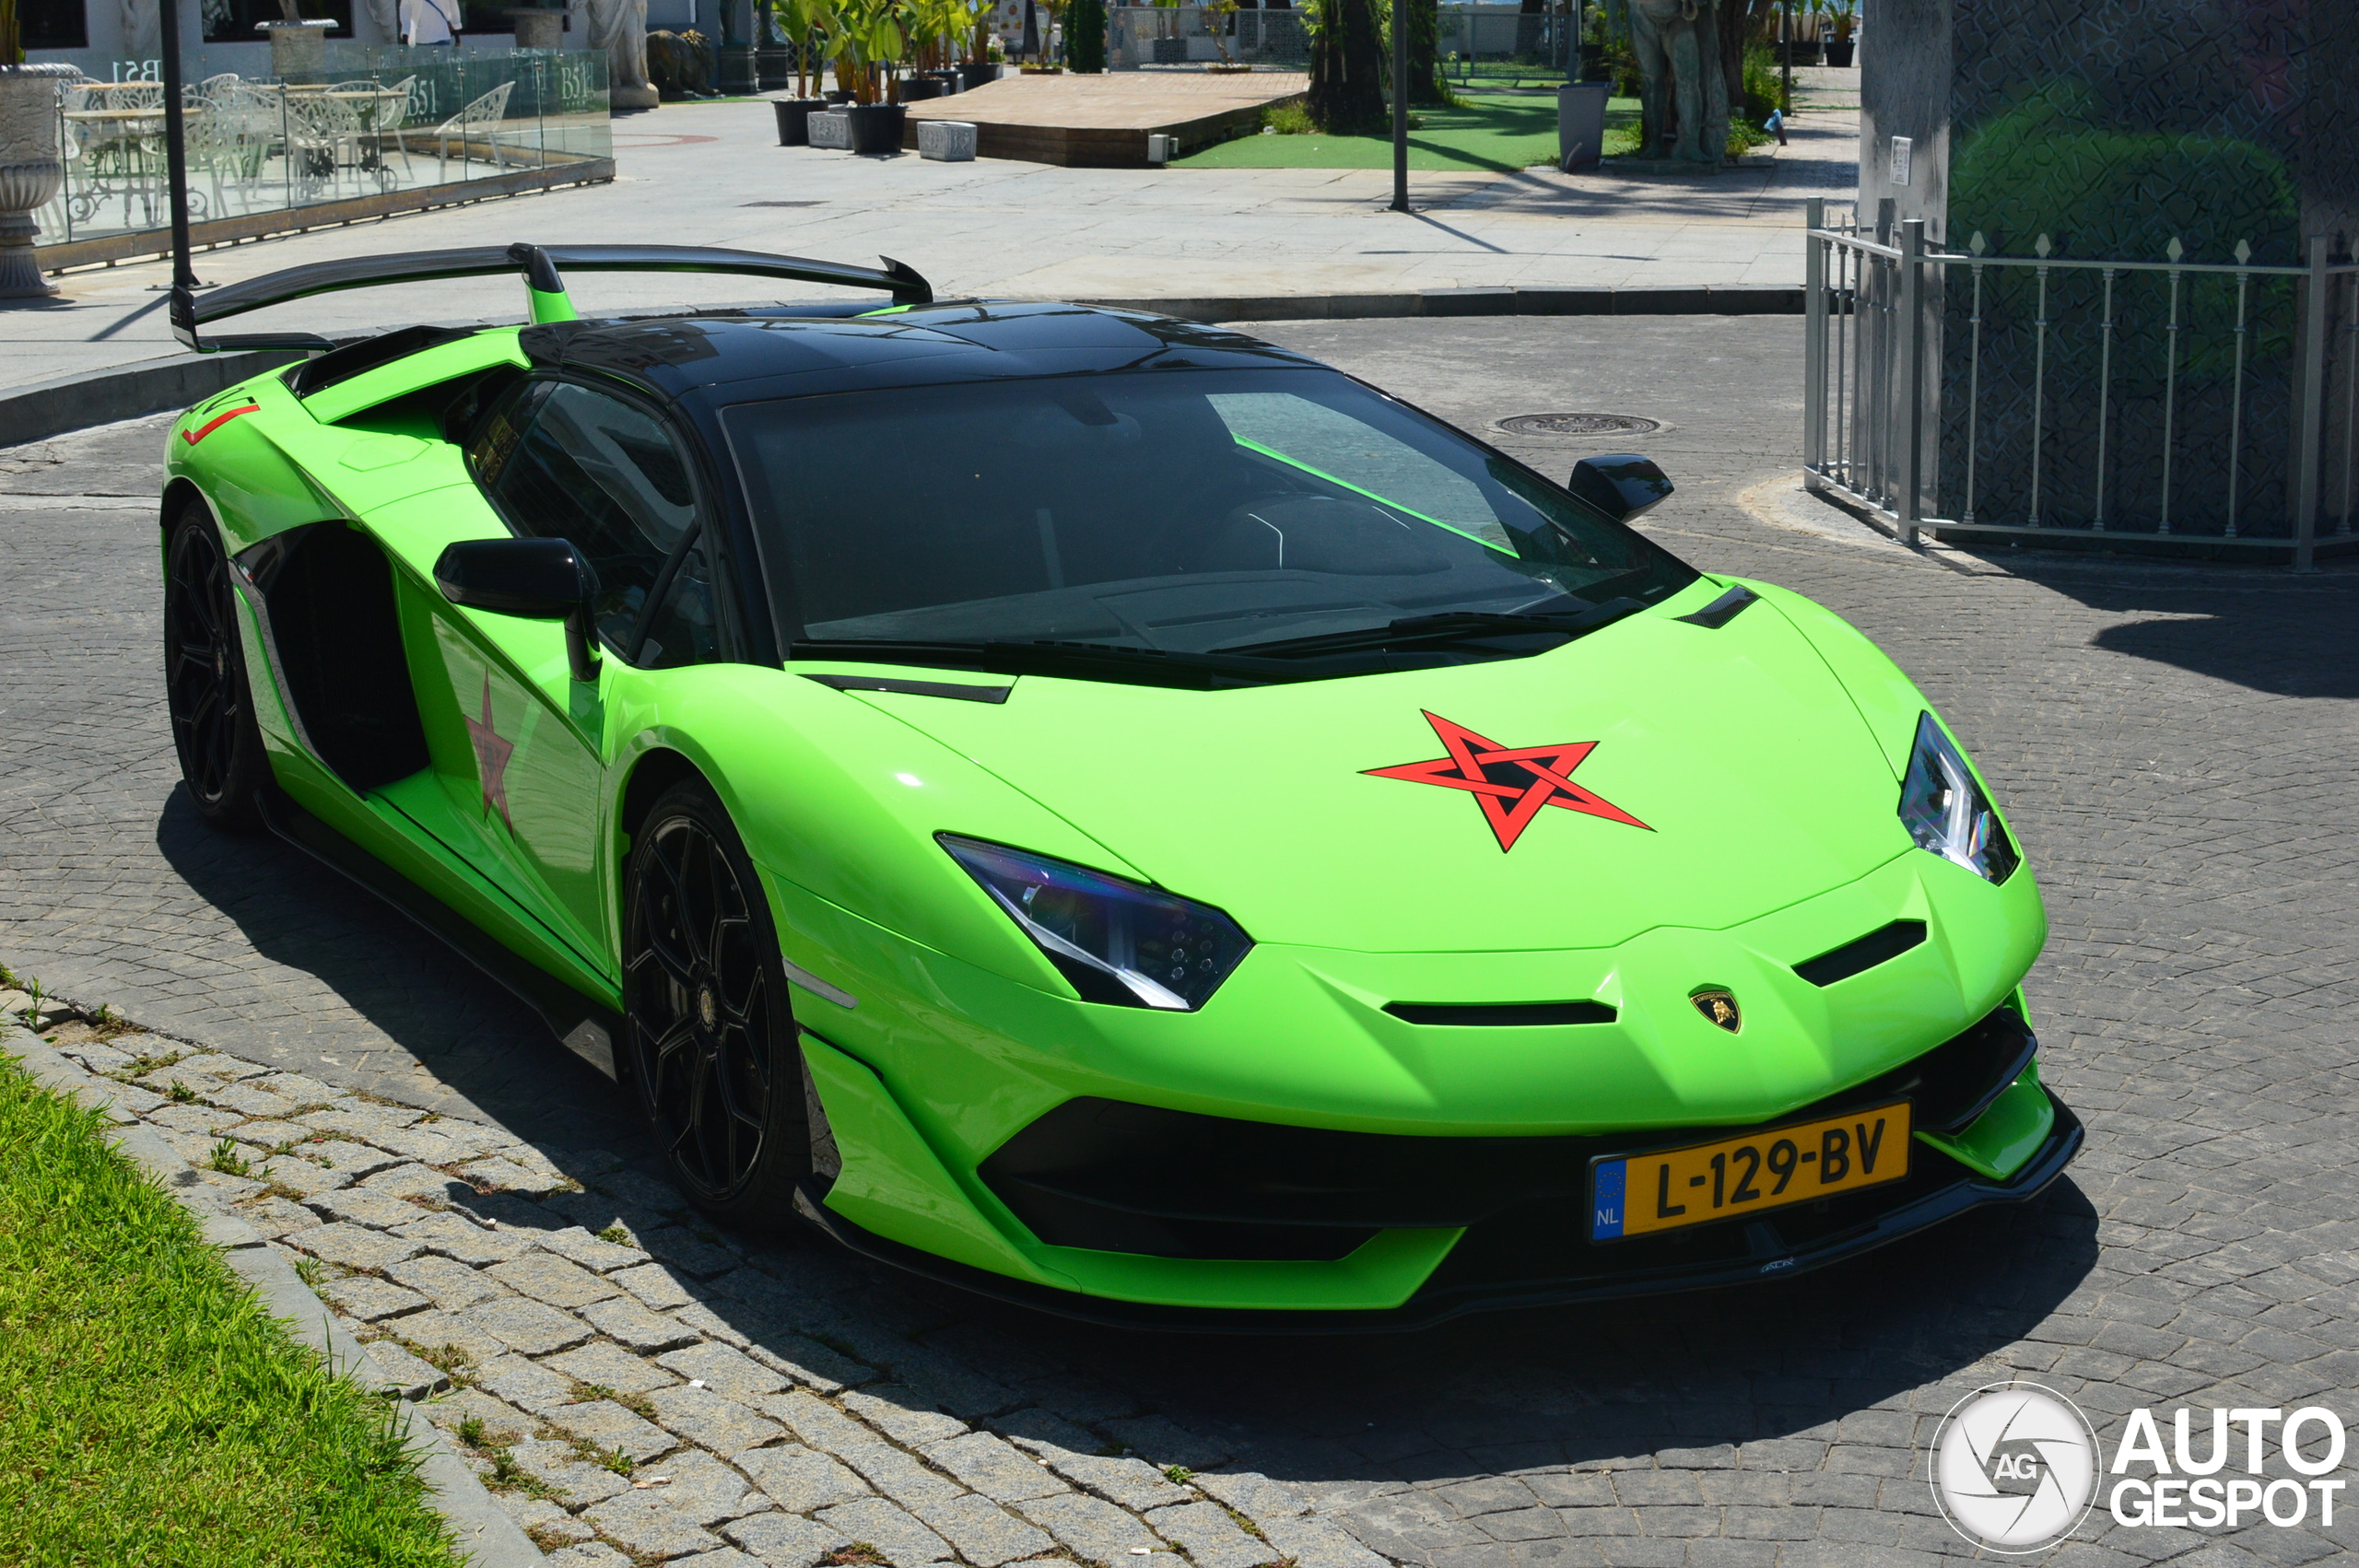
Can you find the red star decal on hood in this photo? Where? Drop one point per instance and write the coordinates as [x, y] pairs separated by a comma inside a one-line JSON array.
[[491, 758], [1542, 775]]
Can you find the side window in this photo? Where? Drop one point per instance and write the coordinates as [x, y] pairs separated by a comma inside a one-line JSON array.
[[686, 626], [563, 462]]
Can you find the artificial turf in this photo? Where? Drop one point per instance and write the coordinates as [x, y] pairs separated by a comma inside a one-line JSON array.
[[1494, 131], [151, 1413]]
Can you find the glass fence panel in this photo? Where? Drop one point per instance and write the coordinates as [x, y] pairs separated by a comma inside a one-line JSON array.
[[379, 122]]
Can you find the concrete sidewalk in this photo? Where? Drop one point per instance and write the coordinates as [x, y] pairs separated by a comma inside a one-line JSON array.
[[712, 174]]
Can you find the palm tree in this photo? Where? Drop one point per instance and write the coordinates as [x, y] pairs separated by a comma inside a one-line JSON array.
[[1346, 68]]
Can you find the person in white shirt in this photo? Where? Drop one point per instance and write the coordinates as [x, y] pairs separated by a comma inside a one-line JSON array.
[[429, 21]]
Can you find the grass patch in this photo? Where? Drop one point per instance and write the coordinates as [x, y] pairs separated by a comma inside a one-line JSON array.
[[1493, 131], [150, 1410]]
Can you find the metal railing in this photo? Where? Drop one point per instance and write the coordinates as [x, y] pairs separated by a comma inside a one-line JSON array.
[[2042, 397]]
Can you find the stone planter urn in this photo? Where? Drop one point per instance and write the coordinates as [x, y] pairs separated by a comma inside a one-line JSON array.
[[31, 171], [299, 49], [538, 26]]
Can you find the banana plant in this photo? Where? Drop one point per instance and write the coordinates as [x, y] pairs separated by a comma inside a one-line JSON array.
[[805, 23]]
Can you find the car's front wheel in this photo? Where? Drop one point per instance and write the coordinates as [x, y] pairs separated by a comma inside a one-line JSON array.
[[712, 1045], [206, 689]]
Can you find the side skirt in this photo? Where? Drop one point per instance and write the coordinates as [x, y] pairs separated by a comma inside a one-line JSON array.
[[584, 1027]]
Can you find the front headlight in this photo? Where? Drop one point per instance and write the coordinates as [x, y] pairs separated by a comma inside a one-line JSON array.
[[1117, 942], [1945, 810]]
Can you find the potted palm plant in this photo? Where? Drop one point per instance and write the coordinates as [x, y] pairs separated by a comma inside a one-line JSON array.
[[805, 24], [1845, 15], [869, 44], [30, 166]]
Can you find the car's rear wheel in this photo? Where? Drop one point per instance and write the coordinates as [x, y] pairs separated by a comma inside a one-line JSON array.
[[206, 693], [712, 1045]]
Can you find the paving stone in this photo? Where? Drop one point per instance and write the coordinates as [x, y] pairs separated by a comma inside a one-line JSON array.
[[698, 1254], [360, 1206], [524, 1384], [1252, 1493], [723, 1370], [462, 1241], [589, 1554], [996, 1468], [552, 1279], [782, 1540], [557, 1465], [644, 1522], [609, 1426], [502, 1423], [1210, 1537], [985, 1534], [711, 1420], [353, 1246], [300, 1176], [799, 1480], [1091, 1526], [507, 1176], [362, 1123], [577, 1246], [213, 1064], [354, 1160], [1041, 1432], [904, 1541], [447, 1284], [633, 1325], [411, 1181], [810, 1362], [895, 1409], [896, 1474], [532, 1328], [367, 1298], [723, 1557], [655, 1286], [702, 1488], [276, 1217], [429, 1332], [548, 1523], [1315, 1542], [607, 1364], [712, 1326], [1162, 1442], [249, 1101], [1133, 1483], [401, 1371]]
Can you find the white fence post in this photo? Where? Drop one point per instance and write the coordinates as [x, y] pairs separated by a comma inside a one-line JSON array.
[[1814, 343], [2314, 309], [1911, 389]]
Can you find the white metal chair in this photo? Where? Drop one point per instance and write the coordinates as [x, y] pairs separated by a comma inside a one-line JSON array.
[[481, 117]]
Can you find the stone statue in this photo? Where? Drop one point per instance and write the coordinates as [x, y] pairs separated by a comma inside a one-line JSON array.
[[386, 13], [143, 29], [1683, 100], [619, 26]]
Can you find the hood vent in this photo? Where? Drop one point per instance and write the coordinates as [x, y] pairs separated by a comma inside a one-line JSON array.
[[1858, 958], [1503, 1015]]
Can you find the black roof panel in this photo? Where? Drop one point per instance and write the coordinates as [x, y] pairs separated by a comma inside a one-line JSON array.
[[749, 356]]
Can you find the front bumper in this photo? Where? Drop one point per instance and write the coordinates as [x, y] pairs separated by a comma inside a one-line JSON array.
[[1534, 1252]]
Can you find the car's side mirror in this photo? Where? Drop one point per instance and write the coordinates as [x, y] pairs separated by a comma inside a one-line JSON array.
[[542, 578], [1621, 486]]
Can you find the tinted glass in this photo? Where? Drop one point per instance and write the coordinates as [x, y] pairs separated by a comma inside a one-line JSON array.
[[1188, 511], [686, 626], [566, 462]]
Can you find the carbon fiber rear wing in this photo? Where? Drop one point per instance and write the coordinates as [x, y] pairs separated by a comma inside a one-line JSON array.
[[542, 266]]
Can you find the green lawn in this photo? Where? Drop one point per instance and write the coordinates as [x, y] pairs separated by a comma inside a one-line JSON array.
[[151, 1414], [1496, 131]]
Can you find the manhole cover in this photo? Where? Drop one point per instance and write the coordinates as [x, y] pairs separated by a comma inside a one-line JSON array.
[[1579, 425]]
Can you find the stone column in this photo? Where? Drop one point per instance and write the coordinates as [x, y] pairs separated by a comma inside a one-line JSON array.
[[538, 26], [299, 50]]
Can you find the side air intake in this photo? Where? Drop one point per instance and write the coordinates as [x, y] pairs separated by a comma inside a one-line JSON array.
[[1858, 958]]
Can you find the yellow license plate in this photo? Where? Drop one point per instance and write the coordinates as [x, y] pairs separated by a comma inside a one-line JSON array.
[[1662, 1190]]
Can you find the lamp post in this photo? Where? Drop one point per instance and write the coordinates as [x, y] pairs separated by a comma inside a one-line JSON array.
[[175, 146], [1399, 105]]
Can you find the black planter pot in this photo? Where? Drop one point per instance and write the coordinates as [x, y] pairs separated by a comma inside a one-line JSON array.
[[1593, 65], [876, 127], [947, 78], [916, 89], [976, 75], [1839, 51], [838, 98], [794, 120]]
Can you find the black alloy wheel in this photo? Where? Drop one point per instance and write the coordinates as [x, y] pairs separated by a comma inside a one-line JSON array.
[[713, 1036], [204, 679]]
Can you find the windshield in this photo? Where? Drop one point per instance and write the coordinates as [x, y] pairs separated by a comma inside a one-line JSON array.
[[1187, 511]]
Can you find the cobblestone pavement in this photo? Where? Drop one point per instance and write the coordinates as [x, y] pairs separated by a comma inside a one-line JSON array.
[[2176, 747]]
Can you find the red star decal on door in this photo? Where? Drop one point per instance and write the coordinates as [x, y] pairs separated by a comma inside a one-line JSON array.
[[1510, 783], [491, 758]]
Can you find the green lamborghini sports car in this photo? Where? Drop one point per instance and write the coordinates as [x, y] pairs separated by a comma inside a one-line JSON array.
[[1103, 809]]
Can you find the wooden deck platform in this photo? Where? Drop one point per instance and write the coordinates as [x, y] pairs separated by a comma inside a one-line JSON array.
[[1103, 122]]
